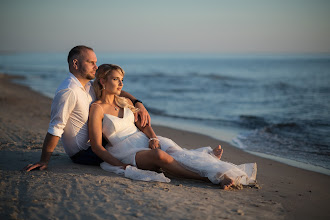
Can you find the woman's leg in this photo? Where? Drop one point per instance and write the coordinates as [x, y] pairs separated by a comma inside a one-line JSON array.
[[156, 158]]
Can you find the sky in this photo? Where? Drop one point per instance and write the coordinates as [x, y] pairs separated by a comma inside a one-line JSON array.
[[201, 26]]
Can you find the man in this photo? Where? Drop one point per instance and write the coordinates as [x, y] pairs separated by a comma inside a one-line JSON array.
[[70, 108]]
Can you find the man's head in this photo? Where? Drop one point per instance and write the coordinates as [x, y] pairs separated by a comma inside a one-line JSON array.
[[82, 62]]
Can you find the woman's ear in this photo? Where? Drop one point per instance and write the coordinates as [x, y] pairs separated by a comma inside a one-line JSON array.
[[102, 82]]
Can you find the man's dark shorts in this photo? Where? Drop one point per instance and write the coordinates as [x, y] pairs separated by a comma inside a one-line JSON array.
[[86, 157]]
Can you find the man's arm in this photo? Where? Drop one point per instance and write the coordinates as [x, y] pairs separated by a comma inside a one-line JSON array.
[[48, 147], [143, 113], [62, 106]]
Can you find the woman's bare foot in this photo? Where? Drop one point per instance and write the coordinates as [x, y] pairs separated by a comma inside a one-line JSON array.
[[226, 183], [218, 152]]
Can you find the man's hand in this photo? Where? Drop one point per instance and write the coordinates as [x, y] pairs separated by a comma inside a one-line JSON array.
[[48, 147], [39, 165], [144, 115]]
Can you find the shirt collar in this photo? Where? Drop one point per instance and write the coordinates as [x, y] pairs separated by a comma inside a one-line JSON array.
[[74, 78]]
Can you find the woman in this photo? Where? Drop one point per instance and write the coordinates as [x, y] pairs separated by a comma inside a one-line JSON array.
[[112, 118]]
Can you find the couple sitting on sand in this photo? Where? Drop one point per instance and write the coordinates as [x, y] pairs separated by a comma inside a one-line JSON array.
[[120, 119]]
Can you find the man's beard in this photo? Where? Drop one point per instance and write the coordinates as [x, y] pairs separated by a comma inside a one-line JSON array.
[[90, 77]]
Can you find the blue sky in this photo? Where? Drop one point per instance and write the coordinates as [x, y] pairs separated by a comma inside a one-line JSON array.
[[217, 26]]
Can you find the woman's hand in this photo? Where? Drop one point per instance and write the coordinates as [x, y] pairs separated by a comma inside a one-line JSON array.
[[154, 144], [124, 166], [144, 115]]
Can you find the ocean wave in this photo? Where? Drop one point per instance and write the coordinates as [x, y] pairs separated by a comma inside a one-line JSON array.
[[277, 143], [216, 76], [181, 90], [211, 76], [281, 126], [281, 88], [206, 119], [253, 122], [244, 121], [42, 71]]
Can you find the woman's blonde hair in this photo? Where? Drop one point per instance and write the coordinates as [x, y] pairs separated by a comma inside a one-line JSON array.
[[102, 73]]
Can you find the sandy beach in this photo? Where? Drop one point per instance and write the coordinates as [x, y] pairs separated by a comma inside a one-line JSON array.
[[70, 191]]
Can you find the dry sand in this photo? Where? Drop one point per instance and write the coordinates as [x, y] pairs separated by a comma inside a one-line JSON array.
[[70, 191]]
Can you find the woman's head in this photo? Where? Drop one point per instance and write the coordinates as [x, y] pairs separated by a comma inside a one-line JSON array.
[[102, 77], [106, 76]]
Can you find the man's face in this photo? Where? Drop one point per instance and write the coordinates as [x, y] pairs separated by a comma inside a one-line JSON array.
[[87, 64]]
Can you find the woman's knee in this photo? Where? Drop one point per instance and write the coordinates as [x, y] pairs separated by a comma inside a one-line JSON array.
[[161, 156]]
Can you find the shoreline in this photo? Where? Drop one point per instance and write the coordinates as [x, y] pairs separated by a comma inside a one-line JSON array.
[[24, 117], [221, 134], [232, 142]]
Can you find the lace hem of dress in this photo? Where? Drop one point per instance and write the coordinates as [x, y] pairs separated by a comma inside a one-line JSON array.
[[136, 174]]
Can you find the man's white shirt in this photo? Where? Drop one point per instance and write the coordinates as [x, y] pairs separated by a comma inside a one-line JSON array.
[[69, 114]]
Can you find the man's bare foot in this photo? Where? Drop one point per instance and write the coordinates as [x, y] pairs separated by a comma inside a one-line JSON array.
[[226, 183], [218, 152]]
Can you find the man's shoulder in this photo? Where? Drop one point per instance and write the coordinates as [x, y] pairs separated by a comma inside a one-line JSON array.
[[68, 84]]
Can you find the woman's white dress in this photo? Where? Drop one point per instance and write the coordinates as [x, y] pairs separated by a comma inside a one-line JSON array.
[[126, 140]]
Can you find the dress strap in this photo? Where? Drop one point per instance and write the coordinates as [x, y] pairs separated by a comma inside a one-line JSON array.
[[98, 105]]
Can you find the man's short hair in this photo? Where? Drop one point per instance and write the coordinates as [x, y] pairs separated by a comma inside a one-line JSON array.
[[76, 51]]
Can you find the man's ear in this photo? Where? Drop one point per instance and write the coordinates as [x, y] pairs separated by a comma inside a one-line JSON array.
[[75, 63]]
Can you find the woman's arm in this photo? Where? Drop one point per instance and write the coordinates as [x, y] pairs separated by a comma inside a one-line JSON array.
[[95, 135], [143, 113], [148, 131]]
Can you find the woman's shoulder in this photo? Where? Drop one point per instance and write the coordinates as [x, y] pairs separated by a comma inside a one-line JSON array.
[[96, 104], [97, 107]]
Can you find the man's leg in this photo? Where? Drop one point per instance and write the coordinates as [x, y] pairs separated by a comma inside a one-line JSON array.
[[86, 157], [156, 158]]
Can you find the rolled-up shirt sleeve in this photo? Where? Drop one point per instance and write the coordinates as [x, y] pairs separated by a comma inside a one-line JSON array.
[[62, 106]]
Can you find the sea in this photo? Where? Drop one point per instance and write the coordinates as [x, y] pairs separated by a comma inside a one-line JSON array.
[[274, 106]]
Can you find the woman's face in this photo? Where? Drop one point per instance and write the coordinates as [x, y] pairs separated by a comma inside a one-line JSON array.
[[114, 83]]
